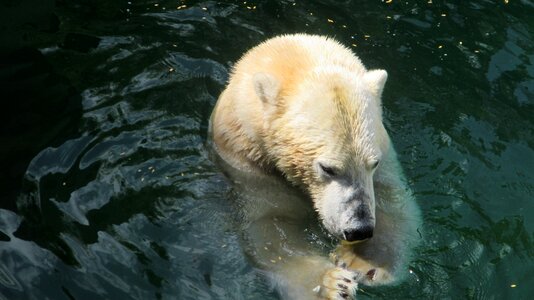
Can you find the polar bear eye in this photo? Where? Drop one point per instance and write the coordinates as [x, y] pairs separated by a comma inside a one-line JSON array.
[[374, 164], [330, 171]]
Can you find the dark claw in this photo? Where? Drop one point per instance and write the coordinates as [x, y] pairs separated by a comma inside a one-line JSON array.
[[344, 295], [340, 285], [371, 274], [346, 280]]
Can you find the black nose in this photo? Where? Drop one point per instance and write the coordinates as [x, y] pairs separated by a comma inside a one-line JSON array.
[[358, 234]]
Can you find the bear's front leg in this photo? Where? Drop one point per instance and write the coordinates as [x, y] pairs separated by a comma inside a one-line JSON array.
[[346, 257], [315, 277]]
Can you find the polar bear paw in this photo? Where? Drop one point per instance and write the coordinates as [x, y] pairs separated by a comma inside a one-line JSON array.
[[345, 258], [338, 284]]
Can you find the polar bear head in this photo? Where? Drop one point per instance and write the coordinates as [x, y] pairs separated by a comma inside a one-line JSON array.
[[325, 134]]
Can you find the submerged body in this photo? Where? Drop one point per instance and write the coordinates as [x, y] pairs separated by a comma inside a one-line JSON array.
[[299, 128]]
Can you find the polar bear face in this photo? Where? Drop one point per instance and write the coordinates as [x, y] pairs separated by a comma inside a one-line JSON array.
[[326, 136]]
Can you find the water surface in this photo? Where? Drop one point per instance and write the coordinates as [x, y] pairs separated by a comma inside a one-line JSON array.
[[107, 191]]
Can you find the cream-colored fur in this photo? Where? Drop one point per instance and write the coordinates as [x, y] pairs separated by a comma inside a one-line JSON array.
[[299, 127]]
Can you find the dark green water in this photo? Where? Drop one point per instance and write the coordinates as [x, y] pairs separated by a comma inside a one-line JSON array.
[[106, 189]]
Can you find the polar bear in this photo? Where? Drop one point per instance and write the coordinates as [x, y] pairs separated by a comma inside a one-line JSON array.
[[299, 131]]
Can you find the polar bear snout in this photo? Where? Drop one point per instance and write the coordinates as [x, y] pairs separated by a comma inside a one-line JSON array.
[[347, 209], [361, 227], [359, 233]]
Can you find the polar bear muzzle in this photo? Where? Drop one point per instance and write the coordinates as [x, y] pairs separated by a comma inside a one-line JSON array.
[[358, 234]]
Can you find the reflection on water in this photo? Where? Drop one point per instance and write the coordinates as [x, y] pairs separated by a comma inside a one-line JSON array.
[[108, 191]]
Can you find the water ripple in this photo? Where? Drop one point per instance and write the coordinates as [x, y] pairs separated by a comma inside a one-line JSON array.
[[118, 115], [57, 160], [182, 68], [112, 149], [92, 196]]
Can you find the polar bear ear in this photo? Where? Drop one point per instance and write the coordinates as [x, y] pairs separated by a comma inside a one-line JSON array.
[[266, 87], [375, 81]]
